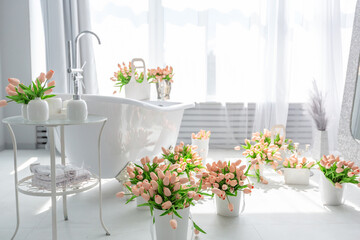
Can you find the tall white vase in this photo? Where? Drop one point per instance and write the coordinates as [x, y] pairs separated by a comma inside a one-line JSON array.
[[330, 195], [222, 205], [203, 148], [321, 145], [163, 229], [38, 110]]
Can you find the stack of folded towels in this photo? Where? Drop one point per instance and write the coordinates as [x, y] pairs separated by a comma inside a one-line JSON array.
[[65, 175]]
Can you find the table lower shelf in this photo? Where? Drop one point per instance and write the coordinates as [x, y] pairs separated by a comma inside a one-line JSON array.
[[25, 186]]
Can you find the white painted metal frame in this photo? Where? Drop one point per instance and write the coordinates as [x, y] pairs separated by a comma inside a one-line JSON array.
[[54, 193]]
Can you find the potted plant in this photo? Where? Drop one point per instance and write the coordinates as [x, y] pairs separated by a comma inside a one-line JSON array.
[[34, 107], [316, 109], [261, 152], [201, 140], [297, 172], [163, 77], [168, 197], [136, 86], [185, 158], [336, 173], [226, 181]]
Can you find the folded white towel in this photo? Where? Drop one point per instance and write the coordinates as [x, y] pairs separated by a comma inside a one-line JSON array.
[[36, 182], [44, 172]]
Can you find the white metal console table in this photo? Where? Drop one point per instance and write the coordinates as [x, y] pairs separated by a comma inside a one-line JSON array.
[[24, 185]]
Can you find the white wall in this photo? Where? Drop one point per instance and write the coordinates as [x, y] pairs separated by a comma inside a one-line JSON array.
[[15, 49]]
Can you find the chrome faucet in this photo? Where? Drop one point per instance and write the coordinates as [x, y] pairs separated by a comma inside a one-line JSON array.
[[76, 72]]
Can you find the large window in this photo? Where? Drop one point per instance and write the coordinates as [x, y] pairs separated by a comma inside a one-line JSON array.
[[218, 49]]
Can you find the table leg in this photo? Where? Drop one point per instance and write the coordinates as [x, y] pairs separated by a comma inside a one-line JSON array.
[[100, 195], [62, 139], [16, 180], [53, 182]]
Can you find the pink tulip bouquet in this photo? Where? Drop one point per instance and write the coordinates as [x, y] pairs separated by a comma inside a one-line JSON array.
[[185, 158], [339, 171], [262, 151], [123, 76], [165, 191], [294, 162], [19, 93], [201, 135], [284, 144], [226, 179], [157, 75]]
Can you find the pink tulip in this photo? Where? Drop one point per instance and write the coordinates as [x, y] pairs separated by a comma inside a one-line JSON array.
[[153, 176], [216, 191], [183, 180], [158, 199], [146, 186], [196, 231], [237, 148], [41, 77], [166, 205], [14, 81], [350, 174], [167, 192], [161, 175], [131, 175], [247, 191], [224, 187], [339, 170], [145, 196], [338, 185], [49, 74], [173, 223], [10, 92], [146, 168], [11, 87], [120, 194], [166, 181], [48, 91], [231, 207], [136, 192], [143, 161], [197, 197]]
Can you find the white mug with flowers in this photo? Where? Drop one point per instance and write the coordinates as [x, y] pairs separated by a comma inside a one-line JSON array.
[[297, 172], [201, 140]]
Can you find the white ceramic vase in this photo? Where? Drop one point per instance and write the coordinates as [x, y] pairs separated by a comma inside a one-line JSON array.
[[77, 110], [137, 91], [38, 110], [321, 145], [24, 113], [222, 205], [330, 195], [55, 105], [163, 230], [293, 176], [203, 148]]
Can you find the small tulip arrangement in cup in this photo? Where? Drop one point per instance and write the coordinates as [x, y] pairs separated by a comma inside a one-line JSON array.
[[123, 76], [165, 191], [262, 151], [185, 158], [226, 179], [201, 135], [294, 162], [158, 74], [339, 171], [19, 93]]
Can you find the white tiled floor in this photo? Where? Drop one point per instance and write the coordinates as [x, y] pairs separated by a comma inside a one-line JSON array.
[[273, 211]]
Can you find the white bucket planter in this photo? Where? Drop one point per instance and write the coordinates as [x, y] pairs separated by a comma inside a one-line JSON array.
[[330, 195], [293, 176], [24, 113], [321, 145], [137, 91], [55, 105], [163, 230], [38, 110], [203, 148], [222, 205]]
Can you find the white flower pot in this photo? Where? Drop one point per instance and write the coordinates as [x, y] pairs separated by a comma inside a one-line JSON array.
[[203, 148], [77, 110], [55, 105], [222, 205], [321, 145], [38, 110], [24, 113], [137, 91], [163, 229], [293, 176], [330, 195]]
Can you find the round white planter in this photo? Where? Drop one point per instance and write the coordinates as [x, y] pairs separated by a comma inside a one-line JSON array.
[[293, 176], [222, 205], [203, 148], [24, 113], [77, 110], [38, 110], [330, 195], [163, 229]]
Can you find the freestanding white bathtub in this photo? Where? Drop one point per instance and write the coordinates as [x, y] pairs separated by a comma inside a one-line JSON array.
[[134, 129]]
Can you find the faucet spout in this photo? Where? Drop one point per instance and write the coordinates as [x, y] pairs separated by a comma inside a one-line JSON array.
[[77, 42]]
